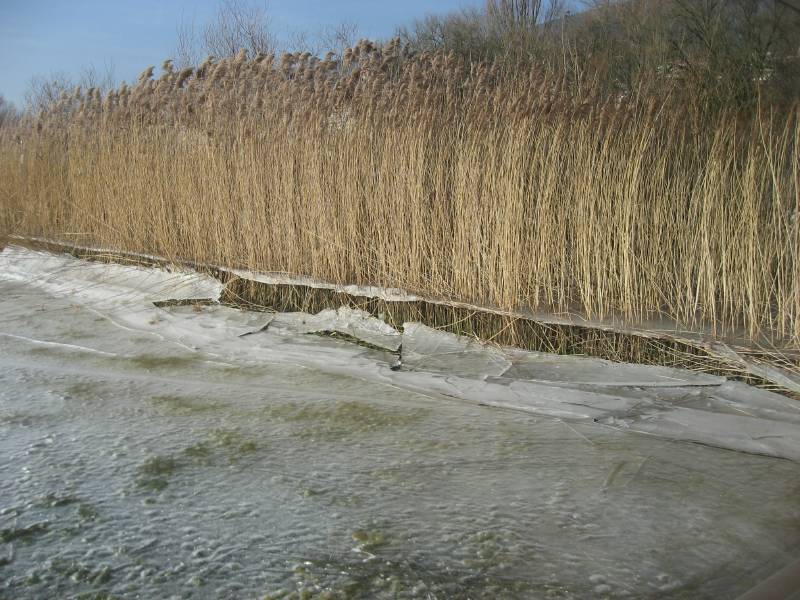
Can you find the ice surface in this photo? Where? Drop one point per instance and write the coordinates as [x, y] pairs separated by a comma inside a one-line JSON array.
[[745, 433], [572, 370], [673, 403], [426, 349], [639, 398], [164, 452], [356, 323], [364, 291], [106, 285], [433, 350]]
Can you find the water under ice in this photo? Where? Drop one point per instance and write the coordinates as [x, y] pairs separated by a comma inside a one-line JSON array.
[[158, 452]]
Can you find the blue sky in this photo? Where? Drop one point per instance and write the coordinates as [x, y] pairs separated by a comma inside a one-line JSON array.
[[42, 37]]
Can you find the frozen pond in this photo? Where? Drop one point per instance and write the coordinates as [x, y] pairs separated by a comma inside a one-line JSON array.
[[153, 452]]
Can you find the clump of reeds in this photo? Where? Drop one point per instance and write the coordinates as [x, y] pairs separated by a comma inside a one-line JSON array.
[[423, 172]]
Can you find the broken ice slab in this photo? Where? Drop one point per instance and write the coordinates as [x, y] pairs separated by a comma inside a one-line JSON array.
[[433, 350], [355, 323]]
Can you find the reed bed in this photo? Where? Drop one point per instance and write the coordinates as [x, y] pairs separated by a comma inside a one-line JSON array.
[[660, 348], [526, 191]]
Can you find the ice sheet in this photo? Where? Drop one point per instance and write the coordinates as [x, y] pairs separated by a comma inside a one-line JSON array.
[[672, 403], [356, 323], [425, 349], [208, 452], [103, 284], [365, 291]]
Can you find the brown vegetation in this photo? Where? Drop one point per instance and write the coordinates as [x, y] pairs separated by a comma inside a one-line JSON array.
[[710, 52], [456, 180]]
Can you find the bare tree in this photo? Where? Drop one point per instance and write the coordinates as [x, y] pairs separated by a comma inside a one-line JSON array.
[[508, 28], [733, 49], [186, 52], [301, 40], [336, 38], [513, 14], [8, 112], [464, 32], [792, 6], [103, 79], [43, 92], [523, 14], [238, 26]]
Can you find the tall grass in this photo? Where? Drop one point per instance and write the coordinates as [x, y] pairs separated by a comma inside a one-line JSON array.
[[421, 172]]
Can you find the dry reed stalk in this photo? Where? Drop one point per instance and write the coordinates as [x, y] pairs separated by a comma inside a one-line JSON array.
[[419, 172]]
